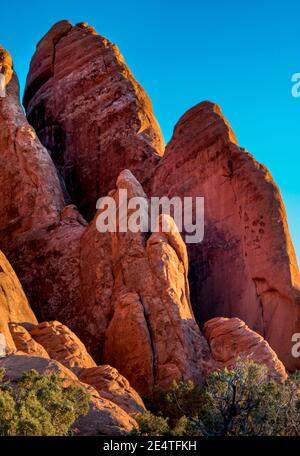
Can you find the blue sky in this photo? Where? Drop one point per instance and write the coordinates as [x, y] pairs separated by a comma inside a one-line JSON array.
[[238, 54]]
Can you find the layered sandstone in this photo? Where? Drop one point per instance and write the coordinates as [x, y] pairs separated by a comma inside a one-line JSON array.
[[230, 339], [62, 345], [24, 342], [246, 265], [65, 266], [111, 385], [126, 296], [70, 358], [89, 112]]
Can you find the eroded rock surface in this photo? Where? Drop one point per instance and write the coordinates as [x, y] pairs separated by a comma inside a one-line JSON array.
[[113, 386], [30, 192], [42, 238], [62, 344], [230, 339], [24, 342]]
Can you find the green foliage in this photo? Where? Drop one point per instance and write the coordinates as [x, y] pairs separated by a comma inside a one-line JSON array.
[[40, 405], [238, 401], [150, 424]]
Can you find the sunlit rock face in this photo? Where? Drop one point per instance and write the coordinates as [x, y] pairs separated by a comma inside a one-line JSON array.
[[246, 265], [14, 306], [30, 191], [90, 113]]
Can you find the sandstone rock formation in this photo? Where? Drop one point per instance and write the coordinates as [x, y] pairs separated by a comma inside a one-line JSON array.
[[14, 306], [246, 244], [25, 343], [125, 297], [152, 312], [30, 192], [30, 208], [90, 113], [62, 345], [113, 386], [230, 338], [104, 417], [246, 265], [43, 239], [53, 263]]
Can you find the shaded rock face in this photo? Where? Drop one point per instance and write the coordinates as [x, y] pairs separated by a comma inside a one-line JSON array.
[[90, 113], [246, 265], [96, 284], [152, 312], [103, 418], [48, 262], [230, 338], [14, 306]]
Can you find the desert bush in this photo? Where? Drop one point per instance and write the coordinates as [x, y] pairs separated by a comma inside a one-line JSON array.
[[40, 405], [238, 401]]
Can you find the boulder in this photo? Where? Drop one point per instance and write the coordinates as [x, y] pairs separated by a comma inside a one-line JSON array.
[[62, 345], [114, 387], [25, 343], [230, 339]]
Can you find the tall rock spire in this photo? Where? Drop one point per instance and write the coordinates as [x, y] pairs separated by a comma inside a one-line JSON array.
[[90, 113], [246, 266]]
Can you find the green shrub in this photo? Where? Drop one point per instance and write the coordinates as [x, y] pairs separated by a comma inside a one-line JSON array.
[[238, 401], [150, 424], [40, 405]]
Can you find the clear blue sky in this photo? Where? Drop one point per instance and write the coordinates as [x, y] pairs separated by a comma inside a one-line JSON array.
[[238, 54]]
